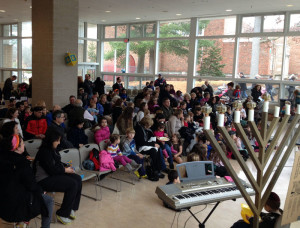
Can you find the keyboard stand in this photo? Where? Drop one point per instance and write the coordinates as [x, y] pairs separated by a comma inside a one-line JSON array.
[[202, 225]]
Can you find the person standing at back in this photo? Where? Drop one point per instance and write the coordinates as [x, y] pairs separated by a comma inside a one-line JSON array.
[[160, 81], [118, 85], [88, 85], [99, 86], [8, 87], [243, 86]]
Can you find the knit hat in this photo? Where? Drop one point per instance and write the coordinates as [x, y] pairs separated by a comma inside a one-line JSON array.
[[15, 142]]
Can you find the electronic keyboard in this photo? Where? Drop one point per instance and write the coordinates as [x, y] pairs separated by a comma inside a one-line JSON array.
[[193, 193]]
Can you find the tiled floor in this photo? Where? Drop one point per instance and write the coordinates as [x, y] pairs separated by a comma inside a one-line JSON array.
[[139, 206]]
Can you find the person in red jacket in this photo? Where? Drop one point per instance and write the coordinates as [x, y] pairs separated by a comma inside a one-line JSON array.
[[36, 125]]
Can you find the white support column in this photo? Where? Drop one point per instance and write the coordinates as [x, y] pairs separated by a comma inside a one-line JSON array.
[[85, 44], [192, 55], [99, 51]]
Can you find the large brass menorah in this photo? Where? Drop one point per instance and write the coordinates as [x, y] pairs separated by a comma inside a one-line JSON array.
[[261, 184]]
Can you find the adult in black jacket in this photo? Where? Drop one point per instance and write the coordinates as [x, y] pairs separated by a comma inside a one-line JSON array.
[[99, 86], [165, 93], [8, 87], [21, 199], [68, 108], [256, 93], [88, 85], [58, 119], [54, 176], [118, 85], [142, 136]]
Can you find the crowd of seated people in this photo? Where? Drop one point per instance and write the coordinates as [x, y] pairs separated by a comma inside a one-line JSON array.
[[159, 123]]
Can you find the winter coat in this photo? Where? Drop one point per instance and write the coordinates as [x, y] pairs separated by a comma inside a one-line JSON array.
[[64, 143], [77, 136], [101, 134], [142, 137], [173, 125], [106, 161], [168, 112], [255, 94], [99, 86], [20, 196], [35, 126], [47, 163]]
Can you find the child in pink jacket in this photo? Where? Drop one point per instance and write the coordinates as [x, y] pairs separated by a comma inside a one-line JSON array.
[[102, 131]]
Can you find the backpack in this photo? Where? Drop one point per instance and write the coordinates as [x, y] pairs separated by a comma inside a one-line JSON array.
[[88, 164], [94, 157]]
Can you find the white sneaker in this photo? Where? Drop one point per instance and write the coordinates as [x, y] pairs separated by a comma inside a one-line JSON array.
[[63, 220], [72, 215]]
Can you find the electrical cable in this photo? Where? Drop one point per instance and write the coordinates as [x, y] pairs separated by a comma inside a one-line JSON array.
[[178, 218], [173, 219], [194, 214]]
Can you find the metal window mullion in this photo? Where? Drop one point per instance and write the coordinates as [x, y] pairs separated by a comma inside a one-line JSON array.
[[173, 38]]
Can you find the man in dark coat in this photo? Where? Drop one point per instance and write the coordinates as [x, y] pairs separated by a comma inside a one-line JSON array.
[[118, 85], [8, 87], [67, 109], [160, 81]]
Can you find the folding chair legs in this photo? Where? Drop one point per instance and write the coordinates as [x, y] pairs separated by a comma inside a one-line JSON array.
[[133, 178], [117, 189]]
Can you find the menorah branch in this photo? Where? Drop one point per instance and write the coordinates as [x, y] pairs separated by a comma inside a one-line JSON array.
[[239, 158], [280, 149], [280, 166], [272, 127], [231, 171], [256, 133], [248, 146], [276, 138]]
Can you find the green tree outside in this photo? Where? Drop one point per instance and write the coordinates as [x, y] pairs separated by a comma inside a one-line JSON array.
[[176, 47]]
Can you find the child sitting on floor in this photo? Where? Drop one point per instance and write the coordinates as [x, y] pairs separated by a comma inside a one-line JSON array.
[[173, 177], [176, 148], [117, 155], [269, 219], [129, 150]]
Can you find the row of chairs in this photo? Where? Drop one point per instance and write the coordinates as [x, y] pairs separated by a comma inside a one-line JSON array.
[[76, 157]]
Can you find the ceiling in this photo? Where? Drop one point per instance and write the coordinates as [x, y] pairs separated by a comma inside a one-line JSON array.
[[93, 11]]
